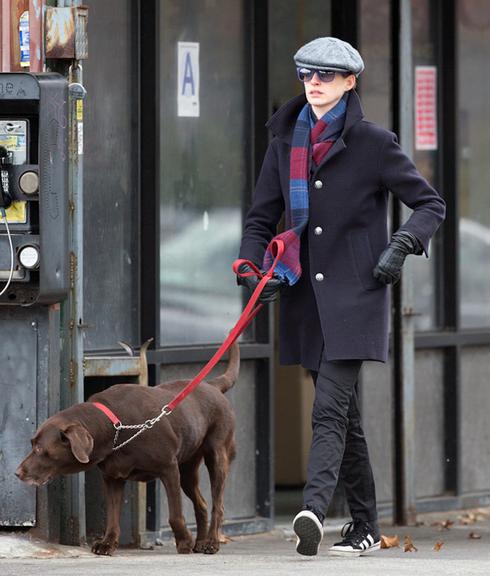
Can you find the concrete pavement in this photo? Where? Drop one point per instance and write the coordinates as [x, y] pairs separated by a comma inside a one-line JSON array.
[[272, 554]]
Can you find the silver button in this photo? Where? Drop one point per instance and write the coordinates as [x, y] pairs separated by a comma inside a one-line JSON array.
[[318, 184], [319, 277], [29, 182], [318, 230]]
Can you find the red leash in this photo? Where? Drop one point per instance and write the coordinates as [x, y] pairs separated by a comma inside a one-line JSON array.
[[249, 312]]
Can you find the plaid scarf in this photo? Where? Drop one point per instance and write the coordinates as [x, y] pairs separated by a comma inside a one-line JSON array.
[[316, 137]]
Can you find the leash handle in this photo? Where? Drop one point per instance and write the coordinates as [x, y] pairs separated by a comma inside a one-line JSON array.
[[249, 312], [238, 263]]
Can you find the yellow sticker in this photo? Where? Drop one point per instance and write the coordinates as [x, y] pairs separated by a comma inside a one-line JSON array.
[[16, 213], [10, 142], [79, 110]]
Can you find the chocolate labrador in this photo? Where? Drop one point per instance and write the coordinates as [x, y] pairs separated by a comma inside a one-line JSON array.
[[200, 428]]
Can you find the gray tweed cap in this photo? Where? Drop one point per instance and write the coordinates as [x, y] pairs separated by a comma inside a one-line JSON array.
[[330, 53]]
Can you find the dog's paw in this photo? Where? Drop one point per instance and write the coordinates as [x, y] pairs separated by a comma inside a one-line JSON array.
[[104, 547], [211, 547], [184, 547], [200, 546]]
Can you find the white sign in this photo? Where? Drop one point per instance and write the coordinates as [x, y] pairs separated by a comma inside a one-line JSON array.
[[425, 108], [188, 79]]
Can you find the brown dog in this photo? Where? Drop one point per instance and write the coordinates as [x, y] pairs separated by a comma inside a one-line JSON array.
[[202, 427]]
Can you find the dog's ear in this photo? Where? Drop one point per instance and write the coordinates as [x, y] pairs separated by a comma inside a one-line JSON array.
[[81, 441]]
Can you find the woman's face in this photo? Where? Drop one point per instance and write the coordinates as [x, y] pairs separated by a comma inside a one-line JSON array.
[[324, 95]]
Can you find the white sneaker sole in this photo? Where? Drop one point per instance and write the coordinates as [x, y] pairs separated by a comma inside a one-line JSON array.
[[309, 532], [333, 551]]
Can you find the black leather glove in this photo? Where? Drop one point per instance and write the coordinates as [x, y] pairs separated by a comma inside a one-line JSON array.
[[271, 289], [388, 269]]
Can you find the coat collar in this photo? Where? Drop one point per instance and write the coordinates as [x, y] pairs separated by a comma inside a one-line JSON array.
[[282, 123]]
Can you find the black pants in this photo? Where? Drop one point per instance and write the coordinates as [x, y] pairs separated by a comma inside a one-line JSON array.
[[338, 448]]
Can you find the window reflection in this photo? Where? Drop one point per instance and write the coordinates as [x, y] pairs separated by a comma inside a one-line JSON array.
[[200, 301], [473, 164], [203, 172], [425, 37]]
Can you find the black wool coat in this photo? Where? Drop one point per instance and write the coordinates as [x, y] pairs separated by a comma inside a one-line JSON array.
[[338, 303]]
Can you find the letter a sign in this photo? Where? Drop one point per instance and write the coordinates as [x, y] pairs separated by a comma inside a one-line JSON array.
[[188, 79]]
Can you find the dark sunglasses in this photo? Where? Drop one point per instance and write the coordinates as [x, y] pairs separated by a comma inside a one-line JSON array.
[[306, 74]]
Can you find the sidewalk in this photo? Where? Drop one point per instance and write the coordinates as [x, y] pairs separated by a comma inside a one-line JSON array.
[[272, 554]]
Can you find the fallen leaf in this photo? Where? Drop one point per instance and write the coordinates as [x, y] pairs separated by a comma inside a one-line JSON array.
[[468, 518], [474, 536], [389, 541], [443, 525], [408, 545], [438, 545]]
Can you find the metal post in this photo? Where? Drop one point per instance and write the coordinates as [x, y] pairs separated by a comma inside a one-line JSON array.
[[72, 391], [404, 380], [73, 521]]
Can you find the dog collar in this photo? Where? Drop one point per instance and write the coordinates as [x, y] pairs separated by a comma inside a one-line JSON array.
[[109, 413]]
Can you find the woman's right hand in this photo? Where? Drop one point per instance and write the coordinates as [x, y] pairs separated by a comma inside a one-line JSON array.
[[271, 289]]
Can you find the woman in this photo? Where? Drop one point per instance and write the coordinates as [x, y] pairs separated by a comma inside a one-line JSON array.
[[331, 171]]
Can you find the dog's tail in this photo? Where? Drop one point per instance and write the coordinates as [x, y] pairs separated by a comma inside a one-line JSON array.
[[226, 380]]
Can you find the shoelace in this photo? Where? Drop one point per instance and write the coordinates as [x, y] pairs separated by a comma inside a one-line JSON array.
[[354, 532]]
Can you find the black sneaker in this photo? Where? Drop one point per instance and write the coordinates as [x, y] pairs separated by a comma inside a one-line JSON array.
[[358, 538], [309, 531]]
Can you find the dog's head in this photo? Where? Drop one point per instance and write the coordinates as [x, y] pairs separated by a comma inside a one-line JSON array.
[[58, 447]]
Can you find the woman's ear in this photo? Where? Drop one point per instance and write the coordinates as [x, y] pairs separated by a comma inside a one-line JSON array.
[[351, 82]]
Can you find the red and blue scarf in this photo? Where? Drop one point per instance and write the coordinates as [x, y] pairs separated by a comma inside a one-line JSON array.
[[311, 142]]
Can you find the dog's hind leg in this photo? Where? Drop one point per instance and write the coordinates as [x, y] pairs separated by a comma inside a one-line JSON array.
[[171, 480], [218, 463], [189, 480], [114, 489]]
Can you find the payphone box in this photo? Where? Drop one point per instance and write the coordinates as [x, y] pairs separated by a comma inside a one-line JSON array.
[[34, 253]]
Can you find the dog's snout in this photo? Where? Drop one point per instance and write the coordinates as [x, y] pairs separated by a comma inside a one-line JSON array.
[[19, 472]]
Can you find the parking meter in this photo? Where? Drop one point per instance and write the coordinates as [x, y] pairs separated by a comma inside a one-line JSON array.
[[34, 258]]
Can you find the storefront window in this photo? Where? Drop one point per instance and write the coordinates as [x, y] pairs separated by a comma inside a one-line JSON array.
[[292, 24], [375, 83], [473, 163], [426, 153], [375, 87], [204, 137]]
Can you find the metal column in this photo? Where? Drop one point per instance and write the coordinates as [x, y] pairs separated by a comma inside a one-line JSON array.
[[73, 524], [72, 390], [403, 328]]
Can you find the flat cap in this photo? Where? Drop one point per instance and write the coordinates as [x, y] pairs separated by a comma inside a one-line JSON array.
[[330, 53]]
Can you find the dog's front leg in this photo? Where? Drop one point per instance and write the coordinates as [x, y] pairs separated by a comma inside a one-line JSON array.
[[171, 480], [113, 494]]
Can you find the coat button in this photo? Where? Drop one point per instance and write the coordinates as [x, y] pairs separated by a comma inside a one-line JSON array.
[[318, 184], [319, 277], [318, 230]]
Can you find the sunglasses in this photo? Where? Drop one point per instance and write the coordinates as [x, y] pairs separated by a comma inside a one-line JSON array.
[[306, 74]]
